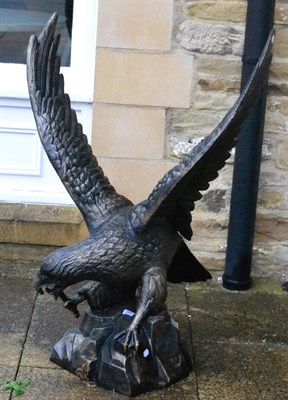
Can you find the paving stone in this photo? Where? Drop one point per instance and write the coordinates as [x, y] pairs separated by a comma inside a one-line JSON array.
[[185, 332], [11, 348], [47, 384], [49, 323], [239, 351], [57, 384], [6, 374], [183, 390], [237, 317], [244, 372], [17, 297], [176, 299]]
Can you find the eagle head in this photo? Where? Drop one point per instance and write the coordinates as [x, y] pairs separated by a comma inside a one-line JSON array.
[[55, 274]]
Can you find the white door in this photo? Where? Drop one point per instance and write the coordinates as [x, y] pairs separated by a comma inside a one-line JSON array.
[[25, 172]]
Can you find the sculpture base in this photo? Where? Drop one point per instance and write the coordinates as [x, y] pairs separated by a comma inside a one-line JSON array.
[[95, 352]]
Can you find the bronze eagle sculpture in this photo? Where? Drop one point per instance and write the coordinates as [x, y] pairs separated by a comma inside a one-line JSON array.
[[132, 250]]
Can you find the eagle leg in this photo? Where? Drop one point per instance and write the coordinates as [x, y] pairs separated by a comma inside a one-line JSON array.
[[151, 296], [100, 296], [97, 295]]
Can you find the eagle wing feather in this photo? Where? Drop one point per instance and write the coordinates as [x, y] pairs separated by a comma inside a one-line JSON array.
[[175, 194], [62, 136]]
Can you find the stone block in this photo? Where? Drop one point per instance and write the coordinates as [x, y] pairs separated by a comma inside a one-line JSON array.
[[271, 197], [215, 200], [234, 11], [278, 73], [277, 104], [141, 24], [128, 132], [41, 224], [26, 254], [281, 13], [219, 67], [211, 38], [179, 145], [134, 178], [215, 101], [275, 122], [162, 80], [224, 85], [271, 229], [195, 123], [270, 261], [282, 153], [278, 176], [219, 74], [208, 224], [280, 48], [280, 257]]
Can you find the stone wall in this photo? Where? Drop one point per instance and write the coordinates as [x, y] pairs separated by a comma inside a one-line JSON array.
[[213, 33], [166, 73]]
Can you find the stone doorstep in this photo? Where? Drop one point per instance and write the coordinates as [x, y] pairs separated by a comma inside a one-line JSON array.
[[36, 224], [24, 253]]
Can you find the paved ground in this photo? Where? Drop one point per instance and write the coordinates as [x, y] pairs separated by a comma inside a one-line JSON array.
[[238, 342]]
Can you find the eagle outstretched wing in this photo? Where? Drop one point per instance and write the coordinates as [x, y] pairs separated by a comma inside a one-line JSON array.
[[175, 194], [61, 134]]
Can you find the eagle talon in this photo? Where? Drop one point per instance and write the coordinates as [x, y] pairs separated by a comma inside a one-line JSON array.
[[131, 341], [69, 304]]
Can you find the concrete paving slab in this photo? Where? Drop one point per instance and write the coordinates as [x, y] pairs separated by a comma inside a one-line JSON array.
[[238, 317], [239, 349], [6, 374], [176, 299], [183, 390], [49, 323], [185, 331], [57, 384], [17, 297], [242, 372], [47, 384]]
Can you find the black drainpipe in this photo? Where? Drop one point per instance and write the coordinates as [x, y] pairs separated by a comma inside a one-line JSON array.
[[259, 22]]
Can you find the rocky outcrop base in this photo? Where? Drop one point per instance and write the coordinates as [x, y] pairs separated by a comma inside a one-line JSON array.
[[95, 352]]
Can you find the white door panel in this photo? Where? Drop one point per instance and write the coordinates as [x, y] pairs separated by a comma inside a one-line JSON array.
[[26, 174]]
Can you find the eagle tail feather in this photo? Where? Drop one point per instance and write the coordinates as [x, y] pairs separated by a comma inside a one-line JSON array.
[[186, 268]]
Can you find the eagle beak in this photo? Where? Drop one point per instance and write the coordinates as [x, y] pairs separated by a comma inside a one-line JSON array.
[[38, 283], [48, 283]]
